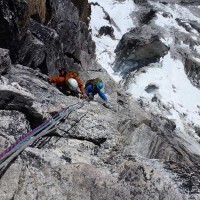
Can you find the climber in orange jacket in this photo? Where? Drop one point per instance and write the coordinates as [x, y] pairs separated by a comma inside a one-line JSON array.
[[68, 83]]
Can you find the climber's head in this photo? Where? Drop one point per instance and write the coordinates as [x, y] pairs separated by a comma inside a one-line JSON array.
[[99, 85], [62, 71]]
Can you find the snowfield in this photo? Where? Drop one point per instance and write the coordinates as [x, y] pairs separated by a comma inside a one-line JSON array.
[[122, 22], [174, 90], [179, 99]]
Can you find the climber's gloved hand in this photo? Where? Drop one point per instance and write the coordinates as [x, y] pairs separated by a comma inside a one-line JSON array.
[[90, 97], [83, 96], [48, 80], [105, 103], [108, 104]]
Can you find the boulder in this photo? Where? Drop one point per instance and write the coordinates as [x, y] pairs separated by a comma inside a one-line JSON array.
[[137, 49]]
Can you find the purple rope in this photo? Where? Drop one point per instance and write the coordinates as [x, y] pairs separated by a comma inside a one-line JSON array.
[[26, 135]]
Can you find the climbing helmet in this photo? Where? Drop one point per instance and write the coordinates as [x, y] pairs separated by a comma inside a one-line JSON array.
[[99, 85], [72, 83]]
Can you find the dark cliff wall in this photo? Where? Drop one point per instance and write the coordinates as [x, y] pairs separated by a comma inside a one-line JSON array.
[[83, 8], [46, 34]]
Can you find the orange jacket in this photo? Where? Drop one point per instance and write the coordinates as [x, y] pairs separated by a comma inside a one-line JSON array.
[[62, 80]]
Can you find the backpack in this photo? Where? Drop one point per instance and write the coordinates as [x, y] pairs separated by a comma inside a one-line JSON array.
[[93, 82], [63, 71], [71, 75], [72, 72]]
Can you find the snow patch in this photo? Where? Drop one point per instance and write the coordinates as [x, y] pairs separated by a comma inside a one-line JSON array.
[[167, 41], [105, 45], [186, 46], [194, 37], [197, 48], [176, 12], [118, 11], [175, 91], [197, 59], [168, 22]]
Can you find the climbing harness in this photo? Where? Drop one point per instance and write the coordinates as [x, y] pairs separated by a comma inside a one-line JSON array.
[[29, 138]]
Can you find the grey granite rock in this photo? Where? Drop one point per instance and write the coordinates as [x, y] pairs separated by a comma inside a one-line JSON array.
[[5, 62], [101, 151]]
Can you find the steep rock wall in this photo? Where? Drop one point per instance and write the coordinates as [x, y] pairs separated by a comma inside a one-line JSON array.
[[37, 8], [192, 69], [101, 152], [83, 8], [45, 34]]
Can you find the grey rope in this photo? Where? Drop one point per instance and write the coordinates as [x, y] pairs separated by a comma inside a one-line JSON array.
[[41, 134]]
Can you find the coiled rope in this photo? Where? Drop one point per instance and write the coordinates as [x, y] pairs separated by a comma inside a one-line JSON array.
[[46, 127]]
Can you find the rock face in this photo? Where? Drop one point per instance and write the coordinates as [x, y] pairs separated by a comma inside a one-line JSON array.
[[37, 9], [101, 151], [5, 62], [184, 2], [137, 49], [84, 9], [45, 34], [14, 24], [192, 69]]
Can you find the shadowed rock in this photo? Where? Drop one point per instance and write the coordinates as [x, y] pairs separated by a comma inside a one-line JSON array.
[[106, 30], [45, 45], [136, 50], [5, 62], [192, 70], [84, 9]]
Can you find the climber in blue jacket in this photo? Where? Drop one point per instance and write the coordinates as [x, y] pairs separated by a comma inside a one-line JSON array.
[[94, 87]]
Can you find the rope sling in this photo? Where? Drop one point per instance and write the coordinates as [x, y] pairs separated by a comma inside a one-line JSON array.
[[27, 139]]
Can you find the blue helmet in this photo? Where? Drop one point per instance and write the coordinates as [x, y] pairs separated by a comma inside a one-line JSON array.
[[61, 69], [99, 85]]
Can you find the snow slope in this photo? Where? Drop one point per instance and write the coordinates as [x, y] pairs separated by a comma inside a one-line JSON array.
[[122, 22], [174, 90], [180, 99]]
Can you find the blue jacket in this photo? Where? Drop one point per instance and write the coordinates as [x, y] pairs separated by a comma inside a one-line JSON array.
[[94, 90]]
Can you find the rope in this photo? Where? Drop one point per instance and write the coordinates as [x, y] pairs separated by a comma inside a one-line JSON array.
[[32, 133], [37, 129], [18, 142], [48, 125], [70, 128]]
